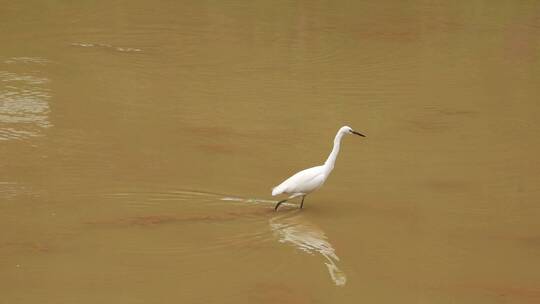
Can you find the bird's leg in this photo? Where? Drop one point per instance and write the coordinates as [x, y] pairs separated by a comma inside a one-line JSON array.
[[302, 203], [279, 203]]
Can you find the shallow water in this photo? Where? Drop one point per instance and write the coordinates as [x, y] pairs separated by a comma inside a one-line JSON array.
[[139, 144]]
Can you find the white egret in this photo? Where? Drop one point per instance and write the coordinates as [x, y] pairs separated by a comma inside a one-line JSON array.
[[309, 180]]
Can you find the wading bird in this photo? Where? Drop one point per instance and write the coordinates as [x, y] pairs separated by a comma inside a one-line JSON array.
[[309, 180]]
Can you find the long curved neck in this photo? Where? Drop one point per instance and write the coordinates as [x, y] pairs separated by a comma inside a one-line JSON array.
[[329, 163]]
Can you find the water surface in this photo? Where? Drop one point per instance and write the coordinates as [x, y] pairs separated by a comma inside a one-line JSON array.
[[139, 143]]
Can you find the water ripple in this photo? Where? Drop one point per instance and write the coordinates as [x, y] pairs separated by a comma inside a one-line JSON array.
[[107, 46], [291, 228], [26, 60], [24, 102]]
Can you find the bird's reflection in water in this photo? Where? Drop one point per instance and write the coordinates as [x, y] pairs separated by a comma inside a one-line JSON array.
[[297, 230]]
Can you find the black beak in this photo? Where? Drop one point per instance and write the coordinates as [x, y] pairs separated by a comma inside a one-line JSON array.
[[359, 134]]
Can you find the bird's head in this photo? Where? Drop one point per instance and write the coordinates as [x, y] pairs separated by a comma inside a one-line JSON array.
[[349, 130]]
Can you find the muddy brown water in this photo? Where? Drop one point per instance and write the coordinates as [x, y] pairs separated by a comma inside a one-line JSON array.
[[139, 143]]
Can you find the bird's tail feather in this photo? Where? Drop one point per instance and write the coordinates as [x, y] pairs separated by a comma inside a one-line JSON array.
[[277, 190]]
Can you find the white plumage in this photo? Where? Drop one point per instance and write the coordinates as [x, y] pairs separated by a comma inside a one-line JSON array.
[[305, 181], [309, 180]]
